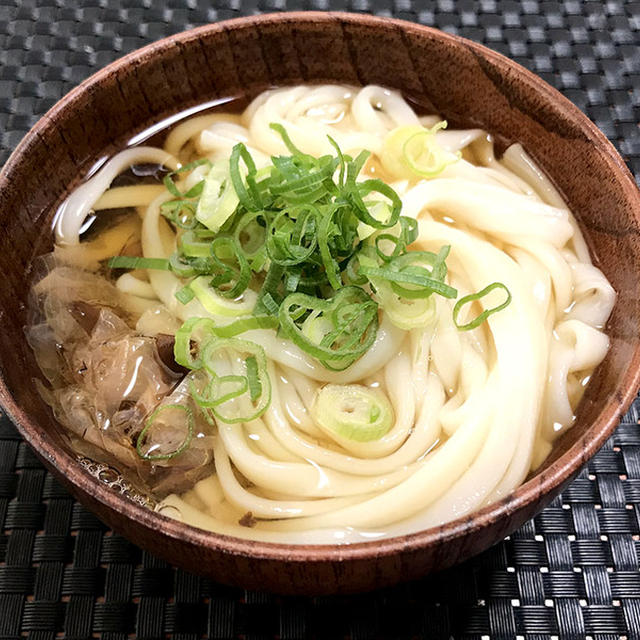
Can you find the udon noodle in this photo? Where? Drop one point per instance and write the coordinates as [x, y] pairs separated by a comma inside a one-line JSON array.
[[455, 419]]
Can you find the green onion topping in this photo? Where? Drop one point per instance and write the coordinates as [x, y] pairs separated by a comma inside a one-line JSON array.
[[132, 262], [308, 247], [352, 411], [231, 398], [478, 320], [180, 418]]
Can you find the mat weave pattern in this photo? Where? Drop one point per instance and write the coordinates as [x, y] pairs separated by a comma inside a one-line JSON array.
[[573, 572]]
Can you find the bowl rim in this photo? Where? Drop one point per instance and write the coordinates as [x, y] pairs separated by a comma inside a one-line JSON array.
[[546, 483]]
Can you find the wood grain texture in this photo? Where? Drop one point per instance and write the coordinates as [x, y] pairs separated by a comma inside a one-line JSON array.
[[469, 85]]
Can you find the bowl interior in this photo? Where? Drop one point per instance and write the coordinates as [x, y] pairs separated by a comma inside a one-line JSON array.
[[466, 83]]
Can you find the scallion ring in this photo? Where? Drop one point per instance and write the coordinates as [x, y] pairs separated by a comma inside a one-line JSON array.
[[480, 318], [143, 438]]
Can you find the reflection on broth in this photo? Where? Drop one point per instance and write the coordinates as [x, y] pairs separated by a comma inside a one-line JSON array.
[[325, 319]]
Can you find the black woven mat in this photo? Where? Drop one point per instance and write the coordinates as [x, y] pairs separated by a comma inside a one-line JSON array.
[[573, 572]]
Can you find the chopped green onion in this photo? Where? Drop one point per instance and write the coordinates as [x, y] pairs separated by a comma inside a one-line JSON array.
[[380, 211], [358, 191], [149, 450], [292, 241], [246, 199], [424, 155], [219, 199], [349, 326], [193, 245], [132, 262], [251, 396], [232, 397], [255, 387], [270, 304], [220, 389], [181, 213], [478, 320], [185, 294], [245, 324], [408, 230], [414, 150], [171, 185], [230, 280], [218, 304], [274, 247], [412, 275], [286, 139], [326, 230], [185, 267], [353, 412], [291, 281], [353, 271], [395, 241], [195, 331], [192, 333], [403, 313], [266, 300], [341, 159], [250, 235]]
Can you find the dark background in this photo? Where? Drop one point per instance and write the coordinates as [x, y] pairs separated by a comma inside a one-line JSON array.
[[570, 573]]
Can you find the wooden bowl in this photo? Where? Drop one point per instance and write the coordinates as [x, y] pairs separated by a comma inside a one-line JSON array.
[[470, 86]]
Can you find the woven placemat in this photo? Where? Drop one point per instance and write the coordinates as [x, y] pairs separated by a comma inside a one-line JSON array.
[[570, 573]]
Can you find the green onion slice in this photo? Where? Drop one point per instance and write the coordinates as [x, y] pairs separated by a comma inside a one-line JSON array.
[[327, 230], [158, 442], [231, 280], [184, 295], [478, 320], [245, 324], [352, 411], [423, 155], [250, 233], [194, 245], [266, 300], [217, 304], [348, 327], [195, 331], [357, 191], [247, 195], [217, 390], [287, 140], [292, 237], [219, 199], [413, 275], [133, 262], [185, 267], [404, 313], [195, 191], [236, 398], [255, 386], [190, 337]]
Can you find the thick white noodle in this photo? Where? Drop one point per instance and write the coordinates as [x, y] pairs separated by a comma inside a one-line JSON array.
[[491, 209], [456, 139], [517, 160], [74, 210], [130, 284]]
